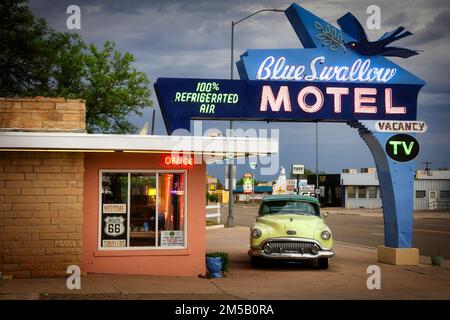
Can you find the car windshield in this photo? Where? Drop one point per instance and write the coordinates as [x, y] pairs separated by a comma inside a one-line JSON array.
[[289, 207]]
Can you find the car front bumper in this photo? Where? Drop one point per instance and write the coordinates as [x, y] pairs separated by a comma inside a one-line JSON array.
[[290, 249], [290, 255]]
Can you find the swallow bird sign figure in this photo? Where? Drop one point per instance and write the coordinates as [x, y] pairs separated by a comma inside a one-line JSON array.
[[338, 76]]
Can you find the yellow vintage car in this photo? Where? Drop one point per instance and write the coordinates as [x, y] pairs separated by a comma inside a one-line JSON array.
[[290, 227]]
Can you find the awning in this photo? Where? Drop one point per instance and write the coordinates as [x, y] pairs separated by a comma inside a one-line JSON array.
[[227, 147]]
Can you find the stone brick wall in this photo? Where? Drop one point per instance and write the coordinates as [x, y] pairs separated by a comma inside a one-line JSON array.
[[41, 193], [42, 114], [41, 211]]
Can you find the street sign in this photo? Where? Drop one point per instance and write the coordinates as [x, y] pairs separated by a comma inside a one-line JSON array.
[[307, 188], [248, 183], [298, 169]]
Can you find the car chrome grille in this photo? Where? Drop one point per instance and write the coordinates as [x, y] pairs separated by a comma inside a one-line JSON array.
[[291, 246]]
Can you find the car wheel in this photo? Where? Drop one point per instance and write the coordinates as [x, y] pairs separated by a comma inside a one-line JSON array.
[[323, 263]]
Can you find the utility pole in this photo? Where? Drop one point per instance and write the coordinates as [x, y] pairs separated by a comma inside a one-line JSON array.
[[230, 222], [317, 161], [427, 167]]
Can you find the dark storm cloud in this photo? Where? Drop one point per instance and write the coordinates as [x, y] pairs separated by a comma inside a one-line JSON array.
[[436, 30], [192, 39]]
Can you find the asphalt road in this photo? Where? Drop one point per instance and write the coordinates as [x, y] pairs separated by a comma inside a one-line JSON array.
[[431, 235]]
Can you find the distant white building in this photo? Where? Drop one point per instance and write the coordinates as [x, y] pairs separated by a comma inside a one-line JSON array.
[[361, 189], [432, 189]]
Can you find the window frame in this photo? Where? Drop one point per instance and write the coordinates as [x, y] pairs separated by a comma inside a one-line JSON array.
[[441, 192], [361, 188], [424, 194], [354, 192], [368, 192], [146, 248]]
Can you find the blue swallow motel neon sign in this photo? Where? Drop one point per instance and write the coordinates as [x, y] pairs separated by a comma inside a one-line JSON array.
[[338, 75], [360, 70]]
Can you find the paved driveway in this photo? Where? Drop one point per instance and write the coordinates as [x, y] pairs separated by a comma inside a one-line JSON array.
[[346, 278]]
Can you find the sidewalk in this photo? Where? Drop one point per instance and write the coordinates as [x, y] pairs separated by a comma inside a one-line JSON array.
[[346, 279]]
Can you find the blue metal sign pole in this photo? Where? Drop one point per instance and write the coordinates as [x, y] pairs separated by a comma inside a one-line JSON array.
[[349, 45]]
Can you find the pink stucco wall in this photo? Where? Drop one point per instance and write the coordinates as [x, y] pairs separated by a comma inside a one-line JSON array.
[[174, 262]]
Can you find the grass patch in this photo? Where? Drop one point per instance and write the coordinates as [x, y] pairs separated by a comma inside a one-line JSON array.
[[211, 223]]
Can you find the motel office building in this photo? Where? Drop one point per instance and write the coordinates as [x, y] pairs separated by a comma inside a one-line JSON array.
[[121, 204]]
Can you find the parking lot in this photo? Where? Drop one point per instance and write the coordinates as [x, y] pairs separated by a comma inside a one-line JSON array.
[[345, 279]]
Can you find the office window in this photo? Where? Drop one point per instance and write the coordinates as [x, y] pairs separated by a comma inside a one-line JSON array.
[[420, 194], [362, 192], [445, 194], [350, 192], [171, 209], [142, 210]]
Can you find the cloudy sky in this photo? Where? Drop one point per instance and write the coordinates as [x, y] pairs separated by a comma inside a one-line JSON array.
[[192, 39]]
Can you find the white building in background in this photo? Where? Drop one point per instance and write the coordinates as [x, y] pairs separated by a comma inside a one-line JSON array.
[[361, 189], [432, 190]]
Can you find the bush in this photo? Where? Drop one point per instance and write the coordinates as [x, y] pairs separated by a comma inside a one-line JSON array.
[[212, 197], [225, 259]]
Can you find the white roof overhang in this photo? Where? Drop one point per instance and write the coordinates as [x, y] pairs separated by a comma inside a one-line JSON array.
[[228, 147]]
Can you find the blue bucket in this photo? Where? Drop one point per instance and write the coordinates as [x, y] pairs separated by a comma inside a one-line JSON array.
[[214, 265]]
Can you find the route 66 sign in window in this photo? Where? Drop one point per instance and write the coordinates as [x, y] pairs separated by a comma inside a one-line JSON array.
[[114, 231], [114, 226]]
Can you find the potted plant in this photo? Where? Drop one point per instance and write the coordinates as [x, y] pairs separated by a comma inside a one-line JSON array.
[[216, 263], [437, 260]]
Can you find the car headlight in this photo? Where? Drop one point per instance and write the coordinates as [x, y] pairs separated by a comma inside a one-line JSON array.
[[256, 233], [325, 235]]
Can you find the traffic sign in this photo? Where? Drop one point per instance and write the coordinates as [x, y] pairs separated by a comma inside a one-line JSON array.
[[298, 169]]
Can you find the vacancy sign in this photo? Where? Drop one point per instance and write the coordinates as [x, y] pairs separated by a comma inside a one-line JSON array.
[[401, 126]]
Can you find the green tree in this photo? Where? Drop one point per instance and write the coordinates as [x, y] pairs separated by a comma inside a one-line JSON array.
[[112, 88], [25, 50], [36, 60]]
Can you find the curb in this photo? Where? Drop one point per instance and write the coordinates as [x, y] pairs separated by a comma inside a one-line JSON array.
[[424, 260], [218, 226]]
